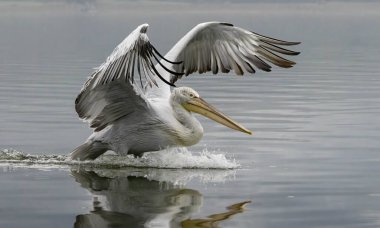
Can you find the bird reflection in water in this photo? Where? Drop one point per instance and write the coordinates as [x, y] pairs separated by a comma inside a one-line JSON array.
[[134, 200], [213, 220]]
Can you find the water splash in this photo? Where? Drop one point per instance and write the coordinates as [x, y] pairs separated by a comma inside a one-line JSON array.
[[175, 158], [169, 178]]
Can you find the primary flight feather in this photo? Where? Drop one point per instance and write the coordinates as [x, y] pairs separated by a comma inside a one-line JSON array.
[[128, 99]]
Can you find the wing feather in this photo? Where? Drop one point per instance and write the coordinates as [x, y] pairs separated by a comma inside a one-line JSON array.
[[215, 46], [110, 92]]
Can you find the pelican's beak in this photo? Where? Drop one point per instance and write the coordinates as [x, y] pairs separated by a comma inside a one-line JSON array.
[[200, 106]]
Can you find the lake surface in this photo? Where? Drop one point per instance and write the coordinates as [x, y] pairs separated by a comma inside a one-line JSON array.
[[313, 160]]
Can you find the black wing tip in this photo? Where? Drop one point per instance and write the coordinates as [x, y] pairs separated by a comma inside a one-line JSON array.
[[267, 69], [162, 78], [177, 74], [289, 43], [276, 41], [162, 57], [226, 24], [295, 42], [163, 66], [296, 53], [275, 48]]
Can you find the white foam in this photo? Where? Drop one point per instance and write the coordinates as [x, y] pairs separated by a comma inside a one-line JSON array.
[[178, 158], [174, 177]]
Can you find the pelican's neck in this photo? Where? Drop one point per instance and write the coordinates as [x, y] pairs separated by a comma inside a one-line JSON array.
[[191, 130]]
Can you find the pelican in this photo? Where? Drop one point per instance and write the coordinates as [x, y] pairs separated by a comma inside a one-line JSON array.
[[129, 101]]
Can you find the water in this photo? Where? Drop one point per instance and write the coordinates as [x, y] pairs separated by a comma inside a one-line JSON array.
[[312, 160], [171, 158]]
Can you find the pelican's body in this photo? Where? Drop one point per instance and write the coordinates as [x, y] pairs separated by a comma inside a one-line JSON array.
[[132, 119], [166, 125]]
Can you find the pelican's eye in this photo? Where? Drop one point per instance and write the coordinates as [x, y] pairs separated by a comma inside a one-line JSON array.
[[192, 95]]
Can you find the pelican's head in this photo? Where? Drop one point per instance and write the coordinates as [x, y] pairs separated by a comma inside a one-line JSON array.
[[192, 102]]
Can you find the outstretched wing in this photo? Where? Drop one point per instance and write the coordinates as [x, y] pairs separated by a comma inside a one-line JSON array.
[[215, 46], [111, 92]]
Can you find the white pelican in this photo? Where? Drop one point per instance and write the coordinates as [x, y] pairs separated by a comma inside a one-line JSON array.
[[133, 118]]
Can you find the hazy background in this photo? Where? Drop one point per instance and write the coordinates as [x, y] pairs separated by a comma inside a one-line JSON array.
[[313, 160]]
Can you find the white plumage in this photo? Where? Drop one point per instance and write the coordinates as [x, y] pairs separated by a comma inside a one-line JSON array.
[[128, 100]]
